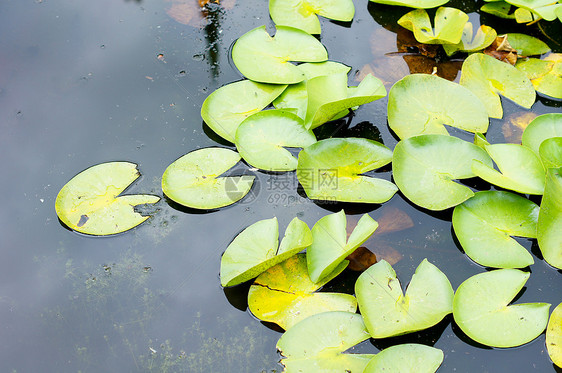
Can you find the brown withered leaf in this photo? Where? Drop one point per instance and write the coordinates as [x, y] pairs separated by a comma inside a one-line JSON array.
[[501, 50], [361, 259], [382, 42], [515, 124], [193, 12], [407, 43], [425, 65], [386, 252], [393, 220], [389, 69]]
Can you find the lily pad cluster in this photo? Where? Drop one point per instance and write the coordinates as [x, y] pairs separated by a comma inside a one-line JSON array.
[[524, 11]]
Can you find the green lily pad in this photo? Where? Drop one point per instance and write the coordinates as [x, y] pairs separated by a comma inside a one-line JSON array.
[[285, 295], [265, 59], [480, 140], [303, 14], [485, 223], [332, 170], [228, 106], [425, 4], [387, 312], [318, 343], [519, 168], [525, 16], [527, 45], [554, 336], [330, 244], [470, 42], [549, 229], [481, 309], [499, 9], [406, 358], [91, 202], [194, 179], [551, 152], [545, 9], [254, 250], [424, 104], [487, 77], [545, 75], [449, 25], [261, 139], [424, 167], [541, 128]]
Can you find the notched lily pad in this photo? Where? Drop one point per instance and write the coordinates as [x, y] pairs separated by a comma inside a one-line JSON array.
[[388, 312], [406, 358], [91, 202], [554, 336], [448, 29], [485, 35], [485, 223], [285, 294], [527, 45], [549, 229], [545, 74], [481, 309], [194, 179], [541, 128]]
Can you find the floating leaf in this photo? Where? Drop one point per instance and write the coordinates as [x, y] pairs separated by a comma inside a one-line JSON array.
[[265, 59], [261, 139], [255, 249], [285, 295], [527, 45], [303, 14], [387, 312], [545, 9], [330, 244], [194, 179], [332, 170], [426, 4], [554, 336], [91, 202], [499, 9], [485, 223], [520, 169], [406, 358], [449, 25], [487, 77], [229, 105], [424, 104], [549, 229], [546, 74], [318, 343], [424, 167], [470, 42], [541, 128], [481, 310], [551, 152]]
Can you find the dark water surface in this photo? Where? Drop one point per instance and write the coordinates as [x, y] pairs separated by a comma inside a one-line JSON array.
[[85, 82]]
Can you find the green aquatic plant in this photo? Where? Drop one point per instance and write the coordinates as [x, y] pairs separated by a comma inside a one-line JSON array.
[[485, 35], [541, 128], [549, 229], [554, 336], [406, 358], [413, 3], [545, 74], [447, 27]]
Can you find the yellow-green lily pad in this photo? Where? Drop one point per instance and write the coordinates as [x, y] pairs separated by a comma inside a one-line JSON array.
[[425, 4], [554, 336], [541, 128], [527, 45], [406, 358], [545, 74], [549, 229], [448, 29], [470, 42], [550, 152]]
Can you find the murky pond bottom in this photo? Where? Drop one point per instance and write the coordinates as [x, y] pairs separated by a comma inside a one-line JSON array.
[[88, 82]]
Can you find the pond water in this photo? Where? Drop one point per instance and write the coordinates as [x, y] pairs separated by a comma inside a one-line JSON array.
[[86, 82]]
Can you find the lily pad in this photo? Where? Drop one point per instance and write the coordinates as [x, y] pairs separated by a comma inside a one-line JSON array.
[[388, 312], [91, 202], [554, 336], [425, 4], [549, 229], [424, 104], [470, 42], [545, 9], [265, 59], [481, 309], [261, 139], [485, 223], [194, 179], [519, 168], [551, 152], [545, 74], [425, 166], [332, 170], [500, 9], [448, 29], [318, 343], [527, 45], [228, 106], [541, 128], [285, 295], [303, 14], [330, 244], [255, 249], [406, 358], [487, 77]]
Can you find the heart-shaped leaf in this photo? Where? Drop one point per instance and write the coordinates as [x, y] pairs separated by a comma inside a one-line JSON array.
[[546, 74], [91, 202], [424, 167], [318, 343], [549, 229], [423, 104], [449, 25], [285, 294], [520, 169], [228, 106], [330, 244], [541, 128], [554, 336], [551, 152], [265, 59], [406, 358], [194, 179], [527, 45], [487, 77], [387, 312], [470, 42], [261, 139], [481, 309], [485, 223], [332, 170], [426, 4], [303, 14]]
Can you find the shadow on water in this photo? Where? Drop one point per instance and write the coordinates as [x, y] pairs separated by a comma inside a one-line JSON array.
[[237, 295], [466, 339]]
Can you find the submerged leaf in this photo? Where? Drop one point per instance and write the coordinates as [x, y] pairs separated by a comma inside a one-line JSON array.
[[91, 202], [549, 229], [406, 358], [449, 25], [554, 336]]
